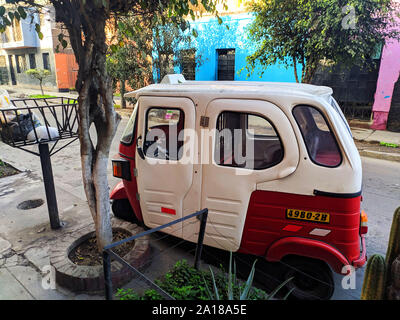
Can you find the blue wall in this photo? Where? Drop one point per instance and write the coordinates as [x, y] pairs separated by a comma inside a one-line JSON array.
[[213, 36]]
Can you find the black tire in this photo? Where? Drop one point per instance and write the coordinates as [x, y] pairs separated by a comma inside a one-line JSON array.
[[122, 209], [312, 279]]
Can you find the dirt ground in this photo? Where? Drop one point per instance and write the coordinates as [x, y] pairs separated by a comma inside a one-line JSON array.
[[6, 170], [87, 252]]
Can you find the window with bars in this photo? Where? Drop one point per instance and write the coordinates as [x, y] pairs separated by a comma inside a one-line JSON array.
[[46, 61], [32, 61], [20, 63], [17, 31], [188, 64], [226, 64]]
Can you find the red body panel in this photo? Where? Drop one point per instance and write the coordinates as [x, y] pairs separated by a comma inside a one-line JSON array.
[[266, 224], [267, 231], [128, 153], [118, 192], [309, 248]]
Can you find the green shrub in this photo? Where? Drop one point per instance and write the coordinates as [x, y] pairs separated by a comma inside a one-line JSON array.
[[42, 96], [184, 282]]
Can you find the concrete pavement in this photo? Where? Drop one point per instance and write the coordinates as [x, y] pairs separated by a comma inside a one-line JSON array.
[[25, 235], [369, 141]]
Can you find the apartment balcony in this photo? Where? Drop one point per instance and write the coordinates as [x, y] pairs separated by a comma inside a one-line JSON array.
[[21, 34]]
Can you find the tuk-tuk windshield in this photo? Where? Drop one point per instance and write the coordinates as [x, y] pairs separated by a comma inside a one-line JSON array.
[[128, 133]]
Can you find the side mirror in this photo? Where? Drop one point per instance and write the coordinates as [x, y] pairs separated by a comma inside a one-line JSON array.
[[139, 148]]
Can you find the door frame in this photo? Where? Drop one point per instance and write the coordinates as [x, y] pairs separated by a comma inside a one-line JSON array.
[[226, 190], [163, 184]]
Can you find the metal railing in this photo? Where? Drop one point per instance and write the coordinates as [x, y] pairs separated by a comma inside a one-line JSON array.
[[108, 253], [41, 121], [60, 114]]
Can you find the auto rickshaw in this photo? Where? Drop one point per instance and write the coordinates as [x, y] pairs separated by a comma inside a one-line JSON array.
[[274, 163]]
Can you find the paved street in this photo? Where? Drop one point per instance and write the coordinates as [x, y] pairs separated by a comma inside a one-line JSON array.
[[381, 196]]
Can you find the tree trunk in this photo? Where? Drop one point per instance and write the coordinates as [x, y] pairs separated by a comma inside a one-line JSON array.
[[295, 70], [122, 92], [87, 37], [310, 69], [41, 87]]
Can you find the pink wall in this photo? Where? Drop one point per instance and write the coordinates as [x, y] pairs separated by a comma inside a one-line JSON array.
[[388, 75]]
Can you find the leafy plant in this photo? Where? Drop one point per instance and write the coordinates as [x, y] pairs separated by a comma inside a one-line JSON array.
[[39, 74], [183, 282], [307, 32], [240, 292], [41, 96], [390, 145]]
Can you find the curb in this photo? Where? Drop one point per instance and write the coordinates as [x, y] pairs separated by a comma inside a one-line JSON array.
[[379, 155], [90, 279]]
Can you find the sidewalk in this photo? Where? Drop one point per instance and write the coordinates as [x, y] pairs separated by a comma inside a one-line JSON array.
[[369, 143], [17, 93]]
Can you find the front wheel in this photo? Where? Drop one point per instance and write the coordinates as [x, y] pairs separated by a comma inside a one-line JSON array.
[[122, 209], [312, 279]]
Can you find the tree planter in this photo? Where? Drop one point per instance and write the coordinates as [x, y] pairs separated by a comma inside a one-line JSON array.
[[89, 279]]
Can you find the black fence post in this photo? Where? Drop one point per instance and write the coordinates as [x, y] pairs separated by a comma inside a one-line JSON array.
[[200, 240], [107, 275], [48, 180]]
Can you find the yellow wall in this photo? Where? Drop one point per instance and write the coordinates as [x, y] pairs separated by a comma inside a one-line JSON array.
[[233, 7]]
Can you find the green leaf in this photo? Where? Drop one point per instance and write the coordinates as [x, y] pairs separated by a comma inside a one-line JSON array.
[[11, 15], [230, 279], [40, 35], [249, 282], [17, 16], [195, 34], [6, 21], [215, 285], [22, 12], [64, 43], [273, 293], [2, 10], [121, 26]]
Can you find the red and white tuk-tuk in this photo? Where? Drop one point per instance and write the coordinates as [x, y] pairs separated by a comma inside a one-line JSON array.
[[274, 163]]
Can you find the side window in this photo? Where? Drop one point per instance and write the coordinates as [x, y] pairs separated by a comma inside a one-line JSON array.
[[163, 137], [246, 141], [258, 126], [318, 137]]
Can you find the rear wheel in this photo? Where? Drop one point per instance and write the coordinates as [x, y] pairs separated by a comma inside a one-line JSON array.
[[122, 209], [312, 279]]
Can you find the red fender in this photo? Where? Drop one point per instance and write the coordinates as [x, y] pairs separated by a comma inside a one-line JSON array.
[[118, 192], [307, 248]]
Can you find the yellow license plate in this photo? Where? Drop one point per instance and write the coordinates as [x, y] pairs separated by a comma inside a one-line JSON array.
[[313, 216]]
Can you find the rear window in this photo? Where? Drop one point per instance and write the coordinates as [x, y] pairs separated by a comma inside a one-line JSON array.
[[321, 144]]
